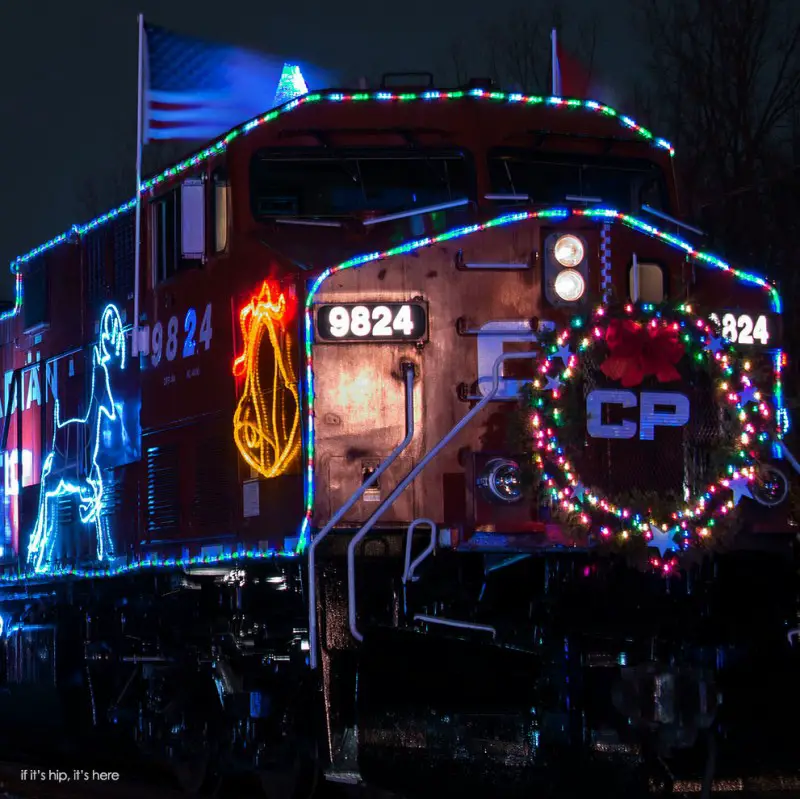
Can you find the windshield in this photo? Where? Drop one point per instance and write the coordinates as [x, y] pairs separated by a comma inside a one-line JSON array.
[[552, 178], [310, 183]]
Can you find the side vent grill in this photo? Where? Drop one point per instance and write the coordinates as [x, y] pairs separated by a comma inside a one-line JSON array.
[[112, 493], [163, 492], [124, 255], [213, 486], [67, 521]]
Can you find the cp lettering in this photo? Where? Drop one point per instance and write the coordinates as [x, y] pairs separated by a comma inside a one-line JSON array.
[[657, 409]]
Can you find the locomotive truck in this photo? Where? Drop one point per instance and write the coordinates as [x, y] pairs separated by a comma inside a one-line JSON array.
[[422, 446]]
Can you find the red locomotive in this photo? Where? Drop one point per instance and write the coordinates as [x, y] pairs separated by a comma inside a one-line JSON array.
[[415, 374]]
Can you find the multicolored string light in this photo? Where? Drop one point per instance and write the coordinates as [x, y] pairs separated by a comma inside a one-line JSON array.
[[221, 145], [707, 259], [734, 387], [149, 562], [704, 259], [17, 307]]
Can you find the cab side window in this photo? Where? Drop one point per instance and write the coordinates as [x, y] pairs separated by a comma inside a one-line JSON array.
[[220, 210], [178, 230]]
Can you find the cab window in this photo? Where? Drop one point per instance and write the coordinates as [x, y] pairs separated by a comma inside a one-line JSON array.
[[307, 182], [552, 178]]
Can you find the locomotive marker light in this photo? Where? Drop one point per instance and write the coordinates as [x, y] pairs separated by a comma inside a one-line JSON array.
[[749, 329], [657, 409], [372, 322], [566, 269]]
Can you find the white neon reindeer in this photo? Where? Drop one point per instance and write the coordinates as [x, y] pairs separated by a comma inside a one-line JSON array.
[[110, 348]]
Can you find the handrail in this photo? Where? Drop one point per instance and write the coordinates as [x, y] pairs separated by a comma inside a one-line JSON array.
[[463, 625], [411, 476], [788, 455], [408, 369], [426, 209], [408, 572]]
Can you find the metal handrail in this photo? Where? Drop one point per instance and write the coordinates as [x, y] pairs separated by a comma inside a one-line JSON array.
[[408, 369], [408, 572], [462, 625], [411, 476], [789, 457]]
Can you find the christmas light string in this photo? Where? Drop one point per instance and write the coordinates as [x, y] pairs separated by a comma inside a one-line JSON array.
[[697, 517], [110, 345], [262, 436], [218, 147], [553, 214], [705, 259], [17, 307]]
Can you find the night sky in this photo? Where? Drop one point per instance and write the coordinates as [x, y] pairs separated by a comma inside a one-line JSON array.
[[68, 95]]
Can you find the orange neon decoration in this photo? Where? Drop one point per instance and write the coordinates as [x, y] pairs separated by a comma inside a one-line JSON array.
[[266, 425]]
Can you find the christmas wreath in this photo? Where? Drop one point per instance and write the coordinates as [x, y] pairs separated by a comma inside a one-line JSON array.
[[662, 352]]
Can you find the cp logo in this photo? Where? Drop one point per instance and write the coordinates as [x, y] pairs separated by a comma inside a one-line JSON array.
[[656, 409]]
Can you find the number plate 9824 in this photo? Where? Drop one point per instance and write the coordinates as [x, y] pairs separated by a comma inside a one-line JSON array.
[[372, 322], [748, 329]]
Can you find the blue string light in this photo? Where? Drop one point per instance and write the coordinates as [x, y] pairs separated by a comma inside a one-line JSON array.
[[110, 346]]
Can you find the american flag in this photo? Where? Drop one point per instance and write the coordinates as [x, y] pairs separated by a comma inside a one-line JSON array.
[[194, 89]]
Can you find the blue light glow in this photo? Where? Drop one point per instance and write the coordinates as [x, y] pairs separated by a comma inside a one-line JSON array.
[[110, 348]]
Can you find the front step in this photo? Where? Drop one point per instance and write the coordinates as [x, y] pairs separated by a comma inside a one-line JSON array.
[[344, 769]]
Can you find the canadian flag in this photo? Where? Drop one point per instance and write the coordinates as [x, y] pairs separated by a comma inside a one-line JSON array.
[[570, 77]]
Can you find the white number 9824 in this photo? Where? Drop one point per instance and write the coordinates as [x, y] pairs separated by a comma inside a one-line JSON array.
[[743, 329], [363, 322]]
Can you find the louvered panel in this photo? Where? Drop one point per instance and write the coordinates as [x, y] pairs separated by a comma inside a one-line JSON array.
[[66, 529], [214, 485], [114, 524], [124, 255], [112, 493], [163, 492]]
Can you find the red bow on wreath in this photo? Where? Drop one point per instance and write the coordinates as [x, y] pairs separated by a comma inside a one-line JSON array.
[[636, 351]]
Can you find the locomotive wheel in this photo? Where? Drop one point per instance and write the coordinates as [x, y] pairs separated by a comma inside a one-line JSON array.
[[297, 779]]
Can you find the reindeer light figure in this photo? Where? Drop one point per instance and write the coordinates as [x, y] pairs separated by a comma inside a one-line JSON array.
[[267, 433], [109, 350]]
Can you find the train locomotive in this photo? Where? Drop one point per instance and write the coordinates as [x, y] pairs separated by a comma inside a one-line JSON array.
[[422, 446]]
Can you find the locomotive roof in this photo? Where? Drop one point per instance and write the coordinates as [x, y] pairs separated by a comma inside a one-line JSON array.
[[549, 108]]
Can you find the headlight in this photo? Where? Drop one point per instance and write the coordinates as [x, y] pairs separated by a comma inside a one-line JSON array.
[[501, 481], [568, 250], [569, 285]]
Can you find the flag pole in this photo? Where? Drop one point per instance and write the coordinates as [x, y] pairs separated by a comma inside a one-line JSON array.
[[138, 231], [554, 90]]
